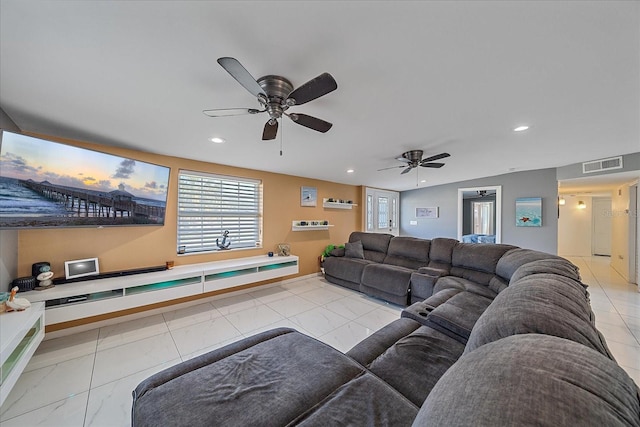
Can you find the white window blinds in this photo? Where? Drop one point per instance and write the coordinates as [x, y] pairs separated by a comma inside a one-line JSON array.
[[209, 205]]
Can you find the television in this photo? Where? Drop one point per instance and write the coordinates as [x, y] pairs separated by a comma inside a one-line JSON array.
[[46, 184]]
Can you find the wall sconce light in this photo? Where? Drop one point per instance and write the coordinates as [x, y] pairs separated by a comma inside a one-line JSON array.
[[562, 201], [581, 205]]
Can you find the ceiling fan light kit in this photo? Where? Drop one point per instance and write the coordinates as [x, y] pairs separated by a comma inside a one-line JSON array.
[[276, 95]]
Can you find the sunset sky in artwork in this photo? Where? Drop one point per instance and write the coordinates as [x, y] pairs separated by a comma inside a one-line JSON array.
[[24, 157]]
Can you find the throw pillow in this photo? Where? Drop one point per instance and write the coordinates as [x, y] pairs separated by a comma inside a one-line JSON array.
[[354, 250]]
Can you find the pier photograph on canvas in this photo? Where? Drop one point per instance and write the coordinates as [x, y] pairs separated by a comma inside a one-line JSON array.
[[49, 184]]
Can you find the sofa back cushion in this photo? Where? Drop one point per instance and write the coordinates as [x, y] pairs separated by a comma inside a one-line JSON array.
[[554, 265], [374, 245], [532, 380], [547, 304], [440, 252], [409, 252], [513, 259], [477, 262]]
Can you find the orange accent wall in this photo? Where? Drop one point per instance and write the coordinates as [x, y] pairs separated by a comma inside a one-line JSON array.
[[123, 248]]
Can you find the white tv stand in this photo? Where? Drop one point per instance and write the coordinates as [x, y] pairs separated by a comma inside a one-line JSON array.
[[78, 300]]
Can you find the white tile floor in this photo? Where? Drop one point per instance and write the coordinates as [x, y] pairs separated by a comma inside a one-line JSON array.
[[86, 379]]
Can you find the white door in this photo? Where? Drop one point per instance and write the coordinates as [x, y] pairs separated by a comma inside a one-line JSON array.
[[383, 210], [601, 240]]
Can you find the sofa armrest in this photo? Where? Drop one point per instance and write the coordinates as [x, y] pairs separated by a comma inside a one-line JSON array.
[[435, 272], [337, 252], [422, 285]]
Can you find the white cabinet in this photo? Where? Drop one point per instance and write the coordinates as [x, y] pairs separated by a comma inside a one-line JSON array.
[[74, 301], [20, 332]]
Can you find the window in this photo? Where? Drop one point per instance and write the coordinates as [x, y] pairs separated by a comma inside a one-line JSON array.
[[209, 205]]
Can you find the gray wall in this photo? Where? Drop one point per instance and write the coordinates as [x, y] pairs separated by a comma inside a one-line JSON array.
[[8, 238], [537, 183]]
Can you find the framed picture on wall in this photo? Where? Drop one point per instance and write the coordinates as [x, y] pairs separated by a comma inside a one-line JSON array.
[[427, 212], [308, 196], [529, 212]]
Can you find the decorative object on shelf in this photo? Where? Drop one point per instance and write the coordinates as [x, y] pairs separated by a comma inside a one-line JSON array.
[[529, 212], [427, 212], [182, 249], [310, 225], [46, 280], [25, 283], [284, 249], [308, 196], [224, 244], [337, 203], [40, 267], [270, 254], [16, 304], [169, 265]]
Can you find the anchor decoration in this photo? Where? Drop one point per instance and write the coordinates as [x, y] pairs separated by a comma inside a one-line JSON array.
[[224, 244]]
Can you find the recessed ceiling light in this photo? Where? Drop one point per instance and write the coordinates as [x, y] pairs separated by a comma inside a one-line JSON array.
[[424, 180], [217, 140], [521, 128], [350, 171]]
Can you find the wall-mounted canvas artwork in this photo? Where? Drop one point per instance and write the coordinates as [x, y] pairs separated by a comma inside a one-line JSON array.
[[47, 184], [529, 212], [308, 196]]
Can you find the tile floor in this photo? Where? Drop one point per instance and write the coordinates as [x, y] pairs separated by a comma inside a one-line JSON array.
[[86, 379]]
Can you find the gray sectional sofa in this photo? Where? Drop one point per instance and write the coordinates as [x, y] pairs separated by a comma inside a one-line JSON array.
[[505, 336]]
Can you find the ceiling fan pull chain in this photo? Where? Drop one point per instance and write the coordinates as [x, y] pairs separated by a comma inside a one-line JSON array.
[[281, 133]]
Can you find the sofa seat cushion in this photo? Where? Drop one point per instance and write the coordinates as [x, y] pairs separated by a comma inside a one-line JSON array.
[[453, 282], [414, 364], [277, 376], [348, 269], [532, 380], [389, 282], [359, 402], [456, 317], [547, 304]]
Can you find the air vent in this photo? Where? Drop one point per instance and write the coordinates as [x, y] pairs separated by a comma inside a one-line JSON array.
[[602, 165]]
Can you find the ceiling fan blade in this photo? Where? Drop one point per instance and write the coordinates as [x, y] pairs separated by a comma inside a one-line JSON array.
[[311, 122], [270, 130], [406, 170], [223, 112], [315, 88], [392, 167], [238, 72], [436, 157], [432, 165]]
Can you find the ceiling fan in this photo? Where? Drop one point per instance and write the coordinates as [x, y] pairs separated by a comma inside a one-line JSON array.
[[275, 95], [413, 159]]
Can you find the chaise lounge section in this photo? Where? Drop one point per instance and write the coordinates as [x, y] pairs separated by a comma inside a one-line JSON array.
[[506, 337]]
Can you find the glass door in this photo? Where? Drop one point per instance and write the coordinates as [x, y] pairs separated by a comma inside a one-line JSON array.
[[382, 211]]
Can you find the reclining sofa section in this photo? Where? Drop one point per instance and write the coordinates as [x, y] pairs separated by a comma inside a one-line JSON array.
[[403, 270]]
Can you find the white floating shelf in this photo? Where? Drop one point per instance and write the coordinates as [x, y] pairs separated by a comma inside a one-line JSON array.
[[337, 205], [311, 225]]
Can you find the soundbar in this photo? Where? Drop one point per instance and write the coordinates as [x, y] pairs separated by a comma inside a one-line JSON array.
[[63, 281]]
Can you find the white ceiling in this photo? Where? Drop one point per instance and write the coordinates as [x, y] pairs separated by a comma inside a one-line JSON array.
[[448, 76]]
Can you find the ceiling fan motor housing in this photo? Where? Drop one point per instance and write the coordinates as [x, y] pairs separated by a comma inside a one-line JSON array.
[[277, 89]]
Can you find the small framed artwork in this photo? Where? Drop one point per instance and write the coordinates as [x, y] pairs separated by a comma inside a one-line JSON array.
[[427, 212], [529, 212], [308, 196]]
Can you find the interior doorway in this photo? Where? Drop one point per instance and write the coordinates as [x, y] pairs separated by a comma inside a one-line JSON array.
[[601, 237]]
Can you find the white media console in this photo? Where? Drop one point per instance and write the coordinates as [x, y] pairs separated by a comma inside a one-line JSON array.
[[78, 300]]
